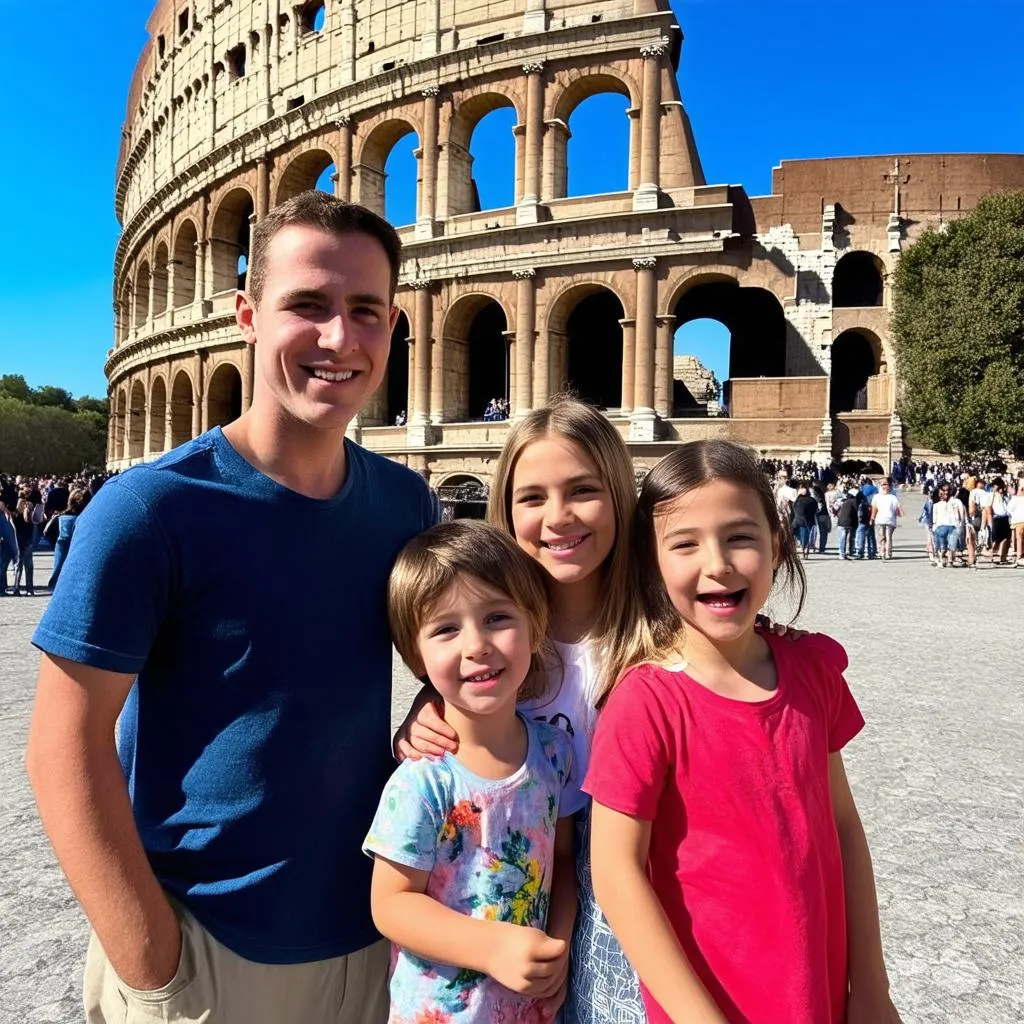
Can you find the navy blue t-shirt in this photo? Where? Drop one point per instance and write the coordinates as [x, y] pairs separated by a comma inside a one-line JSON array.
[[256, 741]]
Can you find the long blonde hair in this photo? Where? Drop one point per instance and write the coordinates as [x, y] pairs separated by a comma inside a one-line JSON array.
[[619, 632]]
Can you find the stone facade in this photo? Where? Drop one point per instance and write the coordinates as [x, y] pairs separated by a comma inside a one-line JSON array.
[[234, 108]]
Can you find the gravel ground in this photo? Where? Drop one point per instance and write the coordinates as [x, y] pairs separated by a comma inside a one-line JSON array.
[[935, 662]]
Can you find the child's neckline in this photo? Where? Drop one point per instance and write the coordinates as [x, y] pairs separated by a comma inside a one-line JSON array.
[[506, 780], [682, 668]]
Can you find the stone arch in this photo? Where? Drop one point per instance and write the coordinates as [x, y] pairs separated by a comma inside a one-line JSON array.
[[136, 425], [564, 104], [185, 269], [858, 280], [182, 401], [126, 322], [754, 317], [585, 343], [229, 239], [373, 155], [119, 421], [398, 376], [141, 290], [157, 415], [857, 355], [476, 355], [302, 173], [223, 396], [460, 479], [463, 188], [160, 296]]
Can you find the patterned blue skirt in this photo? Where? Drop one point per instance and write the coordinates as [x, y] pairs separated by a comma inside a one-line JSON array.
[[603, 987]]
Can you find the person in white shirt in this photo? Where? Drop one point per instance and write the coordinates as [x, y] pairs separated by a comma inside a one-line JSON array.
[[885, 510], [997, 518], [1016, 509]]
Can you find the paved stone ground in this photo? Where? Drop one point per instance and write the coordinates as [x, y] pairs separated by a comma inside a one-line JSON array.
[[935, 662]]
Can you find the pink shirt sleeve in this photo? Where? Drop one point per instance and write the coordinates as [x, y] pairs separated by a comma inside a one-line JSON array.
[[629, 759], [844, 717]]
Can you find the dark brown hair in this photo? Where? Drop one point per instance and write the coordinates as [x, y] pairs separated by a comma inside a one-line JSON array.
[[325, 213], [432, 562], [690, 466], [76, 502]]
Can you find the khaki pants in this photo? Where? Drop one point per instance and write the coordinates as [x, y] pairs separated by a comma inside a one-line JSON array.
[[215, 986]]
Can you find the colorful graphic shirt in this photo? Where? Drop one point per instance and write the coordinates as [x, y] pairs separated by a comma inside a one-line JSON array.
[[489, 847]]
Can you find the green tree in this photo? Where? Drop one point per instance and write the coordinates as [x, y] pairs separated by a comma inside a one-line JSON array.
[[44, 439], [13, 385], [958, 326], [58, 398]]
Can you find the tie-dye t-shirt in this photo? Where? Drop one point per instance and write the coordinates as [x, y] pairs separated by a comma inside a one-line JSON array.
[[489, 846]]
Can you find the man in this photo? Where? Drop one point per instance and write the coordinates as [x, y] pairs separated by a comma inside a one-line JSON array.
[[885, 510], [218, 859]]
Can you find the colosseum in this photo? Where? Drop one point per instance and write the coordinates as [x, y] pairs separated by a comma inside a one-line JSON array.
[[235, 107]]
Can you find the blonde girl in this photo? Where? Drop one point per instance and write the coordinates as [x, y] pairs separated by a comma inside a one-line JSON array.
[[728, 854], [564, 488]]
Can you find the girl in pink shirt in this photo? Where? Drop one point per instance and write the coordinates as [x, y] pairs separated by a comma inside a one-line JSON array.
[[728, 854]]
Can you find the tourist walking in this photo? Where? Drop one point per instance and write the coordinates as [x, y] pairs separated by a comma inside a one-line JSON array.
[[846, 522], [1015, 507], [823, 517], [67, 521], [866, 541], [805, 517], [948, 515], [8, 544], [218, 861], [25, 528], [998, 521], [885, 511]]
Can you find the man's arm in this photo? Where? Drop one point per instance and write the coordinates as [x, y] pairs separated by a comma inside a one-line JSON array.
[[618, 849], [83, 801]]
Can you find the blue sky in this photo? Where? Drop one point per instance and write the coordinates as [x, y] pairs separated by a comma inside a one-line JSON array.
[[763, 80]]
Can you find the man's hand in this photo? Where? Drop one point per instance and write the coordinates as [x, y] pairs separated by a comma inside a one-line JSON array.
[[424, 733], [529, 961]]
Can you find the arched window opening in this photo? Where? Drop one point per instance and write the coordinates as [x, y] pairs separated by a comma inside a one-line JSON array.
[[142, 296], [488, 353], [858, 280], [310, 170], [230, 240], [137, 422], [594, 365], [700, 366], [397, 412], [160, 280], [855, 358], [400, 181], [181, 409], [492, 161], [157, 416], [312, 16], [597, 151], [754, 319], [327, 181], [224, 396], [185, 266], [120, 421], [236, 61]]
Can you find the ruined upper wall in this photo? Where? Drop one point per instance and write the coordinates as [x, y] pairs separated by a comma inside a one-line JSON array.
[[933, 187], [213, 70]]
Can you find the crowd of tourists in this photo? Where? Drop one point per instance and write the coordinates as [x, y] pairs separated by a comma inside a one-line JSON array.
[[542, 849], [497, 409], [39, 514], [967, 516]]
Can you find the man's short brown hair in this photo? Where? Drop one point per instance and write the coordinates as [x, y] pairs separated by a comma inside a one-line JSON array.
[[325, 213], [433, 562]]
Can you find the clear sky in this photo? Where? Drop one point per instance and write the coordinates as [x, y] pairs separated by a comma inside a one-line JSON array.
[[763, 80]]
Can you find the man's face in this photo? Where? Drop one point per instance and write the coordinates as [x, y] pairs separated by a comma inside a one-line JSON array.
[[322, 331]]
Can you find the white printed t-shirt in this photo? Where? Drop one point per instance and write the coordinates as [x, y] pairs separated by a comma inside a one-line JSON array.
[[886, 509]]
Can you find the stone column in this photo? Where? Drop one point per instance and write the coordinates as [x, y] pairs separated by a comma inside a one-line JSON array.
[[343, 177], [646, 195], [541, 368], [348, 41], [168, 417], [419, 416], [643, 418], [152, 297], [198, 396], [535, 17], [526, 211], [430, 39], [425, 217], [663, 375], [172, 266], [248, 375], [628, 364], [147, 423], [262, 189], [526, 310]]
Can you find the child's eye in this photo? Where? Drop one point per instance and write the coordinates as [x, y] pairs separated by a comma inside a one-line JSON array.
[[740, 536], [529, 499], [442, 631]]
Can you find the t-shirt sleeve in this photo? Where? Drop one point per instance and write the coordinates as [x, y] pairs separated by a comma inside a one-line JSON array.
[[844, 716], [408, 821], [114, 588], [629, 761]]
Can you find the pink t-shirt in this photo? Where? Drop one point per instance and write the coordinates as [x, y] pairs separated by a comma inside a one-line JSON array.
[[744, 852]]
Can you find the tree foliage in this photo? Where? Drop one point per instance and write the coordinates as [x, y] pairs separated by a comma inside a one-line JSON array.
[[958, 325], [45, 430]]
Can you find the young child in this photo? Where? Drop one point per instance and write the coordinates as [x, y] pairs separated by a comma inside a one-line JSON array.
[[473, 877], [727, 851], [564, 488]]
